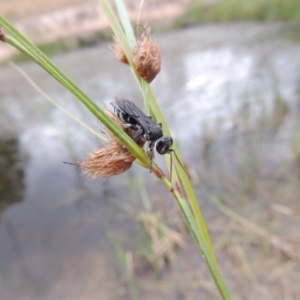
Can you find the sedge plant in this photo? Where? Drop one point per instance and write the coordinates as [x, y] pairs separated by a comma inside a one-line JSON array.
[[179, 186]]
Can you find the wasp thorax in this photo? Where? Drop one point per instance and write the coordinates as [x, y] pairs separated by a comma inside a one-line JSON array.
[[155, 132], [147, 59]]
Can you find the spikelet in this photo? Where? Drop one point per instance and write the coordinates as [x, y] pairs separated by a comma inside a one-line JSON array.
[[119, 52], [147, 58], [112, 159], [2, 35]]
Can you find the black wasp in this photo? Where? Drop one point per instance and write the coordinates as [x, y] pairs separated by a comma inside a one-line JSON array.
[[143, 125]]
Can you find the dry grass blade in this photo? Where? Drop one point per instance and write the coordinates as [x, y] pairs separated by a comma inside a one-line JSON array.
[[275, 241], [163, 239]]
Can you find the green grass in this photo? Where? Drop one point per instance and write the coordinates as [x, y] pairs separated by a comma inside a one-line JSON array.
[[61, 46], [236, 10], [49, 49]]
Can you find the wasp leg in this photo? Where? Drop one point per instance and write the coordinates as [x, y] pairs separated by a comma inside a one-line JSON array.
[[127, 125], [171, 166], [138, 134], [150, 153]]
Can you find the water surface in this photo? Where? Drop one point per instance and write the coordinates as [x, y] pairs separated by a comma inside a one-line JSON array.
[[55, 222]]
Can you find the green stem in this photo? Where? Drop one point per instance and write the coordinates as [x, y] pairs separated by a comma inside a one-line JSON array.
[[126, 23], [200, 241]]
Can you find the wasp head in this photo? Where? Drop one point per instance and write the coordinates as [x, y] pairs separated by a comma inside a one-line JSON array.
[[163, 145]]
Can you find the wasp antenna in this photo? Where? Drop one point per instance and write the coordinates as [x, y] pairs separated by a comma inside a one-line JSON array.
[[171, 167], [178, 160], [70, 163]]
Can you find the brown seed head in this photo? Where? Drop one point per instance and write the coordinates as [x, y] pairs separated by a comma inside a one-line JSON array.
[[2, 35], [112, 159], [119, 52], [147, 59]]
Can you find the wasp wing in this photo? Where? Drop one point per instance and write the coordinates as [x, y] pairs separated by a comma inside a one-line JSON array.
[[134, 112]]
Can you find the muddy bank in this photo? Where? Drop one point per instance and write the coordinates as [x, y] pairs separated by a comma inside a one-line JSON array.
[[80, 24]]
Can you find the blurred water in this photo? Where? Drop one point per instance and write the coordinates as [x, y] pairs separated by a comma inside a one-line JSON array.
[[54, 221]]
